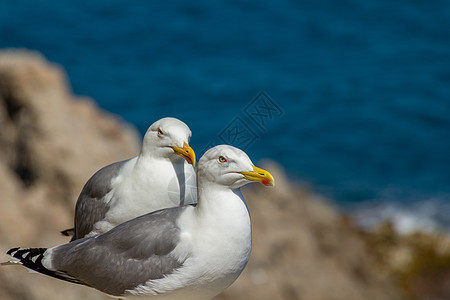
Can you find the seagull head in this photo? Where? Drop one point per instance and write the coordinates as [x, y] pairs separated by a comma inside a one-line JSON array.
[[169, 138], [229, 166]]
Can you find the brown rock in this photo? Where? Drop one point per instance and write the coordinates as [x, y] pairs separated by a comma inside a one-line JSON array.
[[419, 261], [302, 249], [43, 124], [51, 142]]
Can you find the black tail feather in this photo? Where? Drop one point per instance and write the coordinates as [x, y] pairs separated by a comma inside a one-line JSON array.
[[32, 259], [68, 232]]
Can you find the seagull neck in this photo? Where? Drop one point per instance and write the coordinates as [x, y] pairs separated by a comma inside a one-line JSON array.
[[148, 156], [214, 196]]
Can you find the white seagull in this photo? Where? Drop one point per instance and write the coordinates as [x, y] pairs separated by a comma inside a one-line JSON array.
[[161, 176], [189, 252]]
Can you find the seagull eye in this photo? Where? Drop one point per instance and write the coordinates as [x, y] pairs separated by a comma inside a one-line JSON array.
[[160, 132], [222, 159]]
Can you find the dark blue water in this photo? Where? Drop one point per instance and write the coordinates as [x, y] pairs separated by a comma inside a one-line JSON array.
[[357, 93]]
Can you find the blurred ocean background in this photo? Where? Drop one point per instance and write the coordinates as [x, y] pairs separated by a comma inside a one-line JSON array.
[[351, 97]]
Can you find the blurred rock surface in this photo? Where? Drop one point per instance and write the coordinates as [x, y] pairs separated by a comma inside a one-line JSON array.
[[302, 249], [419, 262], [51, 142]]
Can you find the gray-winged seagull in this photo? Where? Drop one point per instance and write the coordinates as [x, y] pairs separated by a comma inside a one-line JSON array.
[[157, 178], [189, 252]]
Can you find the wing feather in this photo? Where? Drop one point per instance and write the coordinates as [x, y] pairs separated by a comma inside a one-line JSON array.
[[91, 205], [126, 256]]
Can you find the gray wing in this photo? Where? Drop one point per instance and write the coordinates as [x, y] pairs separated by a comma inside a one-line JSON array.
[[91, 207], [126, 256]]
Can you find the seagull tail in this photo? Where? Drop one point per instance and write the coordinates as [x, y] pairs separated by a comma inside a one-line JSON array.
[[28, 257], [32, 259], [68, 232]]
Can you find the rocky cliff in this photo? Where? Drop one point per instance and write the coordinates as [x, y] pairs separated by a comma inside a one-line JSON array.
[[51, 142]]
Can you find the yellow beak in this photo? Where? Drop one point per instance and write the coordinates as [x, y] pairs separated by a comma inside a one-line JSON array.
[[259, 175], [186, 152]]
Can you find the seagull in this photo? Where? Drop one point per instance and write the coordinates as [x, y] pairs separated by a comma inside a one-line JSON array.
[[188, 252], [161, 176]]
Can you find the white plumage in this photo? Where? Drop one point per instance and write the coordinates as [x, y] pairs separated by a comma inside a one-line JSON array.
[[157, 178]]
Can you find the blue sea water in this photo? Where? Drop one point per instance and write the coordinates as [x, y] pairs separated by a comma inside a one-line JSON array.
[[352, 97]]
